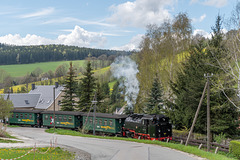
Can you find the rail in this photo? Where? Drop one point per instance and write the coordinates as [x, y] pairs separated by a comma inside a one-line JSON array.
[[201, 143]]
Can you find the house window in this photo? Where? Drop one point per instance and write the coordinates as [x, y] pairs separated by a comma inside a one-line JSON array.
[[16, 115], [110, 122], [100, 121], [59, 118], [25, 116], [96, 121], [30, 116], [59, 102], [46, 117], [64, 118], [90, 120], [105, 122], [12, 115], [21, 115], [86, 120], [70, 119]]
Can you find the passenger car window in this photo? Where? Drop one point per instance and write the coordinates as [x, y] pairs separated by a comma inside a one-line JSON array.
[[70, 119], [105, 122]]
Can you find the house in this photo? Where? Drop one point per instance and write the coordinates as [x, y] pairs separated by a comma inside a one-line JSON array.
[[23, 100], [39, 98]]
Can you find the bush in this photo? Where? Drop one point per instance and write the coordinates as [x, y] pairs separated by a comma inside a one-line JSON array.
[[234, 148], [219, 138], [184, 134], [2, 130]]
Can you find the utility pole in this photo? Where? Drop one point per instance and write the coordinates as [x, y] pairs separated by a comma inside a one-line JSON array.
[[208, 110], [196, 114], [94, 114], [94, 118], [54, 109]]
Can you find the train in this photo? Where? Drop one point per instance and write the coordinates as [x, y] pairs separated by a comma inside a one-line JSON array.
[[140, 126]]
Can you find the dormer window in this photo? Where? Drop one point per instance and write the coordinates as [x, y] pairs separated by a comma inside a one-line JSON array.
[[26, 101]]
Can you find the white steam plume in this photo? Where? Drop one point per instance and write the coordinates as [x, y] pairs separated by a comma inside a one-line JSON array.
[[125, 68]]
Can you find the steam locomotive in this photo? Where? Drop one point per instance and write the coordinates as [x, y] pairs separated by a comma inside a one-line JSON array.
[[141, 126], [151, 127]]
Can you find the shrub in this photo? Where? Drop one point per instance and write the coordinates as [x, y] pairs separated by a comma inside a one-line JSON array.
[[2, 130], [234, 148], [219, 138]]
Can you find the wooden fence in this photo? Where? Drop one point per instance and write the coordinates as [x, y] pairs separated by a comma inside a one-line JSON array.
[[201, 143]]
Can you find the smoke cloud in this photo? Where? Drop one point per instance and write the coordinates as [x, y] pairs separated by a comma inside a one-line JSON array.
[[126, 69]]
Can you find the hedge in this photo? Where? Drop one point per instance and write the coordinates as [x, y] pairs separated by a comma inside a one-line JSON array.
[[234, 148]]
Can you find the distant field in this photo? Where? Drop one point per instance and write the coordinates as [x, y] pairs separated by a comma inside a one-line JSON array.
[[20, 70]]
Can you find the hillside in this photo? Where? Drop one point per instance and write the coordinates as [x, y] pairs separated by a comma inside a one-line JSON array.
[[19, 70], [10, 54]]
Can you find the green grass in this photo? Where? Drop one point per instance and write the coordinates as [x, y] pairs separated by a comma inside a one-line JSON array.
[[188, 149], [111, 84], [52, 153], [20, 70], [9, 141], [13, 126]]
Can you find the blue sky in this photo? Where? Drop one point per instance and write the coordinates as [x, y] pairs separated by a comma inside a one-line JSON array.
[[108, 24]]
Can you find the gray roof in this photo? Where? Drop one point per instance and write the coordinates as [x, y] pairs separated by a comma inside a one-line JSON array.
[[25, 100], [46, 98]]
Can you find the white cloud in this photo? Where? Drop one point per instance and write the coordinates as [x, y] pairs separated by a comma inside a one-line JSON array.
[[206, 34], [202, 32], [200, 19], [214, 3], [76, 20], [132, 45], [141, 12], [78, 37], [43, 12]]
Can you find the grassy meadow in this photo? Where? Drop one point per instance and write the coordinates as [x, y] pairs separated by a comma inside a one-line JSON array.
[[47, 82], [20, 70], [39, 153]]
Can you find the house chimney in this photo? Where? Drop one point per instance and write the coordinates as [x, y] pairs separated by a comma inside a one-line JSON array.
[[33, 86], [56, 84]]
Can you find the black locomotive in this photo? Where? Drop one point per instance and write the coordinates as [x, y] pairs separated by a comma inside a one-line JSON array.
[[143, 126]]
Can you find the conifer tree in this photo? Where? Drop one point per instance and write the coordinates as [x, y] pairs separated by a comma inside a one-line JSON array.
[[101, 107], [106, 89], [86, 88], [189, 85], [155, 100], [70, 85]]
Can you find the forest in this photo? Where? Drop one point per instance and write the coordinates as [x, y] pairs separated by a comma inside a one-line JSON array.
[[10, 54]]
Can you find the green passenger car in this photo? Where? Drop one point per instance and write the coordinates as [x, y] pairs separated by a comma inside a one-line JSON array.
[[109, 123], [26, 117], [63, 119]]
